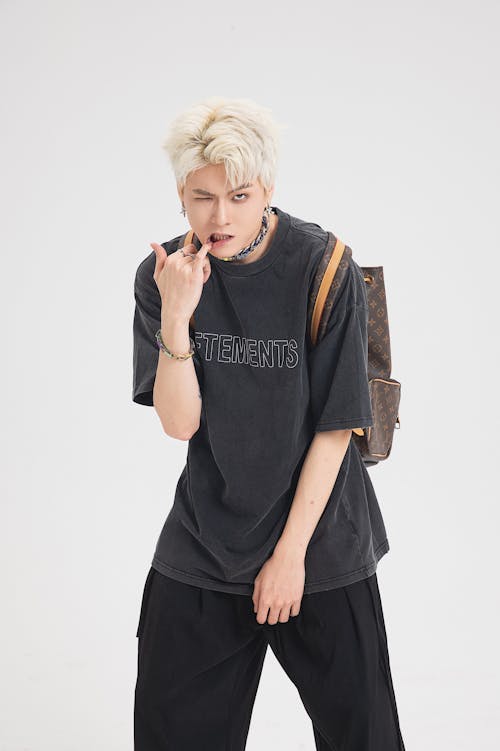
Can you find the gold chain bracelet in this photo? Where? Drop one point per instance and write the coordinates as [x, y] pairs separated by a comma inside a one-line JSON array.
[[161, 345]]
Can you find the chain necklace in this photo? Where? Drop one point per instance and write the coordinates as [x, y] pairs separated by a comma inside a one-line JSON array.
[[262, 233]]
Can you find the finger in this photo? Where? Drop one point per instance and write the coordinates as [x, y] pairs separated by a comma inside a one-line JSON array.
[[187, 250], [255, 598], [192, 250], [284, 615], [161, 255], [200, 256], [207, 270], [191, 254], [262, 614], [274, 614]]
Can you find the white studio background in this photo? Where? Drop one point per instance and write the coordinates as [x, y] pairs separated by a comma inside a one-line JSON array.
[[392, 142]]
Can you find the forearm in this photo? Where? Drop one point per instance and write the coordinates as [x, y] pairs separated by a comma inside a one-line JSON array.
[[176, 392], [317, 478]]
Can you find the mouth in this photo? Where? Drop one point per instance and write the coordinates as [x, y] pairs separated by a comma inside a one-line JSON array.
[[219, 239]]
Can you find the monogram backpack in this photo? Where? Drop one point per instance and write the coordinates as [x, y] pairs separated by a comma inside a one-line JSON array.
[[375, 442]]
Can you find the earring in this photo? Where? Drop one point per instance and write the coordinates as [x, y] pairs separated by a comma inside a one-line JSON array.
[[183, 210]]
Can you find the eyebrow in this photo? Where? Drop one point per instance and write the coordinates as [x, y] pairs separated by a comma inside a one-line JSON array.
[[206, 193]]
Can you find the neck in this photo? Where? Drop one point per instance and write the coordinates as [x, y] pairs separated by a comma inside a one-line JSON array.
[[261, 249]]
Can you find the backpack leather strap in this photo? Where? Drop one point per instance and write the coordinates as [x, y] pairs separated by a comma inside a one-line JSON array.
[[324, 288], [322, 295]]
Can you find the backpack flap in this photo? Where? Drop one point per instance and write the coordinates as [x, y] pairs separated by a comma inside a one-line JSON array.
[[376, 444]]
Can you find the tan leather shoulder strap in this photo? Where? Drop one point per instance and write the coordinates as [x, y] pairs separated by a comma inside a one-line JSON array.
[[188, 239], [322, 295], [324, 288]]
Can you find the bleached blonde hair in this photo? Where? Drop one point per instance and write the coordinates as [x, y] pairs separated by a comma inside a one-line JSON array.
[[239, 133]]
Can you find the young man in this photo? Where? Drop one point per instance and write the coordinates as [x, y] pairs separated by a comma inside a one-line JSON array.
[[275, 531]]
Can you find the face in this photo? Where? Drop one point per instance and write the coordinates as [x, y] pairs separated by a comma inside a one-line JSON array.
[[211, 206]]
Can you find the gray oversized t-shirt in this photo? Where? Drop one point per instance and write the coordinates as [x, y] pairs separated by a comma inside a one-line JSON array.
[[265, 392]]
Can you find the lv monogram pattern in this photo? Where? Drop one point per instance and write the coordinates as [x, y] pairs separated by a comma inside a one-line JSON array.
[[385, 392]]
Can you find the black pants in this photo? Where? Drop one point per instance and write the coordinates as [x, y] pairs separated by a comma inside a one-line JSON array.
[[201, 653]]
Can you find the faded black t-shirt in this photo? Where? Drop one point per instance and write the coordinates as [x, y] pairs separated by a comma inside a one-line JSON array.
[[265, 391]]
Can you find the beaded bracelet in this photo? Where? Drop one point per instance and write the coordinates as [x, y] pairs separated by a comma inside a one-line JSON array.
[[161, 345]]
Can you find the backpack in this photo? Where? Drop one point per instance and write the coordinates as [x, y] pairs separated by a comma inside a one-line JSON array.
[[374, 443]]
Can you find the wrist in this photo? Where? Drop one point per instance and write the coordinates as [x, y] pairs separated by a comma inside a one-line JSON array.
[[291, 548], [173, 319], [175, 334]]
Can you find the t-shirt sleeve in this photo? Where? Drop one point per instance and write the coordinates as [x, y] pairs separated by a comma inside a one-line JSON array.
[[340, 393], [147, 321]]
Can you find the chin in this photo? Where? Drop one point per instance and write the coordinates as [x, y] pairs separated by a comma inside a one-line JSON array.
[[222, 253]]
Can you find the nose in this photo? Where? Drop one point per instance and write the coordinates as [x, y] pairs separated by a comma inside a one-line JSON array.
[[220, 214]]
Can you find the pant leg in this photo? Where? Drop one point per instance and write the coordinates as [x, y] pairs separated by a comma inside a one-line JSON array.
[[200, 658], [335, 652]]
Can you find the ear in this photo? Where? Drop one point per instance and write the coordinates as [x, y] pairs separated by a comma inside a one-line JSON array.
[[180, 192]]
